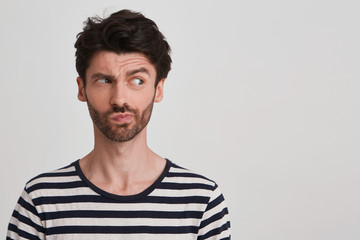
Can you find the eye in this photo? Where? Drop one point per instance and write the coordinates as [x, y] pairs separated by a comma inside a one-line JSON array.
[[137, 81], [103, 80]]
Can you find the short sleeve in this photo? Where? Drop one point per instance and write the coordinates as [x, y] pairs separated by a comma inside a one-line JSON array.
[[215, 224], [25, 222]]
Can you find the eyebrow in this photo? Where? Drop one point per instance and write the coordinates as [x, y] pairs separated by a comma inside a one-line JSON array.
[[128, 74], [101, 75], [139, 70]]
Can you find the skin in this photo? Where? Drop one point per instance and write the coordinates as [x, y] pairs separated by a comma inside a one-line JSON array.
[[129, 166]]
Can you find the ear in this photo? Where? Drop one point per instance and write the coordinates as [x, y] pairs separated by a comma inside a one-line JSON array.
[[159, 91], [81, 89]]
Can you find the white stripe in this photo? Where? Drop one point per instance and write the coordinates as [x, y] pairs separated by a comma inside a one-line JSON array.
[[25, 212], [60, 179], [121, 207], [122, 222], [179, 170], [214, 210], [187, 180], [62, 192], [218, 208], [221, 235], [180, 193], [25, 227], [213, 225], [14, 235], [188, 236], [89, 191]]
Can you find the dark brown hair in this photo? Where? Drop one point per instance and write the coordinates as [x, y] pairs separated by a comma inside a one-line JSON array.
[[124, 31]]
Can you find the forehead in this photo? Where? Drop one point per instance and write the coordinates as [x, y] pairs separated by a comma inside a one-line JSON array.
[[115, 64]]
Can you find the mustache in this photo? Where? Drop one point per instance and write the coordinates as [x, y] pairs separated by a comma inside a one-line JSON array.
[[121, 109]]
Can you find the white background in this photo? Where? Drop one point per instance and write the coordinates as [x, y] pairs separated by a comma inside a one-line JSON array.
[[263, 98]]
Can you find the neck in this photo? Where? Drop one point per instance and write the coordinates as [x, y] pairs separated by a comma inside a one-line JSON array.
[[124, 168]]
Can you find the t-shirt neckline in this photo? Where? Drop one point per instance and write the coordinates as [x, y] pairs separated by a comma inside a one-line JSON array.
[[127, 198]]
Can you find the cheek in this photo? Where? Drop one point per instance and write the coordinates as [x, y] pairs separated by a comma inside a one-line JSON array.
[[143, 98], [97, 103], [96, 96], [150, 99]]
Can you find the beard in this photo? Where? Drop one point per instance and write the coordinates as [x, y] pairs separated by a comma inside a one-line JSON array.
[[120, 132]]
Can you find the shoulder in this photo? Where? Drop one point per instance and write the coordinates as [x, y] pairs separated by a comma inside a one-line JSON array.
[[53, 178], [181, 175], [215, 215]]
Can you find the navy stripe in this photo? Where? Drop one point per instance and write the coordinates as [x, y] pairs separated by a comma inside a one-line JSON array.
[[226, 238], [56, 174], [27, 206], [181, 186], [22, 233], [120, 214], [216, 231], [76, 184], [187, 175], [56, 185], [121, 230], [214, 218], [215, 202], [100, 199], [176, 166], [27, 221]]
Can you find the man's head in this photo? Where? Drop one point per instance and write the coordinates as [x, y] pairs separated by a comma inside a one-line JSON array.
[[119, 60], [124, 31]]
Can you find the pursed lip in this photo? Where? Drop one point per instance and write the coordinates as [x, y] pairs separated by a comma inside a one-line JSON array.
[[122, 117]]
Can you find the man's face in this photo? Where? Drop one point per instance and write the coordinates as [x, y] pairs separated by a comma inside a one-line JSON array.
[[120, 93]]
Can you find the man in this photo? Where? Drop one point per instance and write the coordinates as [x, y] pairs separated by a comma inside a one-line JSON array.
[[121, 189]]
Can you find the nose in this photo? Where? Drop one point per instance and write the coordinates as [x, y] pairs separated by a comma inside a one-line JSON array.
[[119, 95]]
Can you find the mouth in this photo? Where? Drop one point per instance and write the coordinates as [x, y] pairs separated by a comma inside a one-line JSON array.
[[122, 118]]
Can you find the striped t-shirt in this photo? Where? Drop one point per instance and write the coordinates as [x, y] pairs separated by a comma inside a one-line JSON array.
[[64, 204]]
